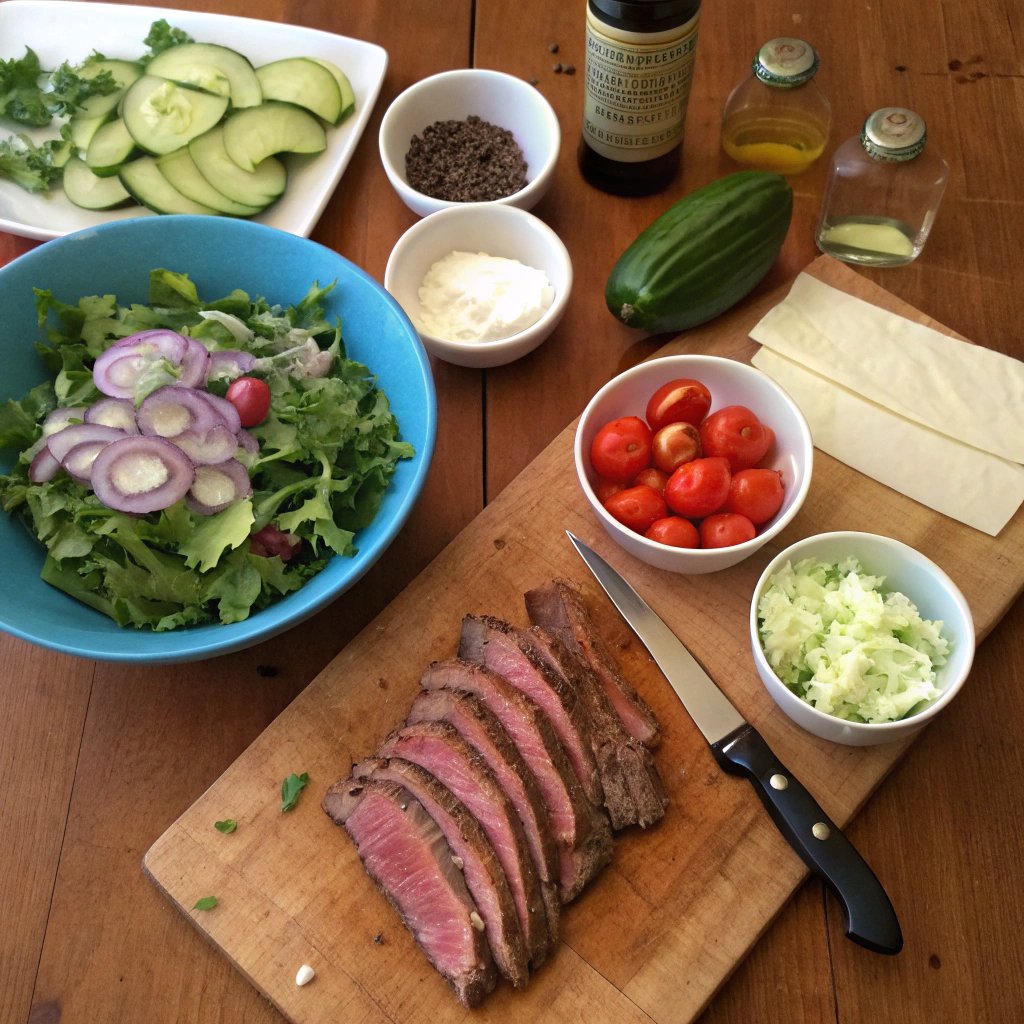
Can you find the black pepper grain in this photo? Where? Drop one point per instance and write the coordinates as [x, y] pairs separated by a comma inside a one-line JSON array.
[[553, 48], [557, 68], [465, 161], [534, 81], [569, 69]]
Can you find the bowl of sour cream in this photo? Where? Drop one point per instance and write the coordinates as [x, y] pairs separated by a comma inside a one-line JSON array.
[[483, 284]]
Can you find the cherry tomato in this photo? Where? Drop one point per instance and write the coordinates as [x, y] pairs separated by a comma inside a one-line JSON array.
[[756, 494], [652, 478], [674, 531], [637, 507], [675, 444], [771, 439], [736, 434], [725, 530], [604, 489], [698, 488], [251, 397], [621, 449], [271, 541], [678, 401]]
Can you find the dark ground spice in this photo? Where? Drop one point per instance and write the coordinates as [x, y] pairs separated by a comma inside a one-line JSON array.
[[467, 161]]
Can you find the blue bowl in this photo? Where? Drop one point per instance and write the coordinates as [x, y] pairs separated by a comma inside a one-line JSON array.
[[218, 254]]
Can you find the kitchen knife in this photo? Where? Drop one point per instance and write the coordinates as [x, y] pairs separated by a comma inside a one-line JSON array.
[[868, 915]]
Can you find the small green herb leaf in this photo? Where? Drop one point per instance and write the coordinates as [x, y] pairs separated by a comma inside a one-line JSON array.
[[227, 826], [291, 788], [206, 903]]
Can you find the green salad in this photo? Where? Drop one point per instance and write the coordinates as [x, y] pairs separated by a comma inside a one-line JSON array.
[[842, 644], [136, 470]]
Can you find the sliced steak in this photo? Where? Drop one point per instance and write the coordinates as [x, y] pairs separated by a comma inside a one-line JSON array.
[[486, 735], [473, 855], [439, 748], [581, 830], [559, 608], [511, 653], [406, 854], [633, 790]]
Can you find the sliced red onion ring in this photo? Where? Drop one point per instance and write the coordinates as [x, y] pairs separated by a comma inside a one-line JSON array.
[[78, 462], [63, 441], [229, 364], [216, 445], [113, 412], [120, 366], [44, 467], [141, 474], [227, 411], [173, 411], [59, 418], [248, 442], [216, 487], [194, 365]]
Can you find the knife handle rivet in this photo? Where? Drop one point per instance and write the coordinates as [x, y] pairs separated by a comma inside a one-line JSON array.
[[820, 830], [779, 782]]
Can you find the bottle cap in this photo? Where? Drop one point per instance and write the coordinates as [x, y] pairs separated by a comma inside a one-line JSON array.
[[784, 63], [894, 134]]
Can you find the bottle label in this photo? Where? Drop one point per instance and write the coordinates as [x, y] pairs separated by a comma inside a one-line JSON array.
[[636, 92]]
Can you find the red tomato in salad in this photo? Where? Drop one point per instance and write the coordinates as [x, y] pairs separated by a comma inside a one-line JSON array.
[[756, 494], [604, 489], [674, 531], [621, 449], [251, 397], [637, 507], [271, 541], [652, 478], [675, 444], [726, 529], [698, 488], [678, 401], [736, 434]]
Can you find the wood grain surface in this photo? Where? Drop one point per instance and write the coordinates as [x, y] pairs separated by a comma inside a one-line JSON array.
[[96, 761]]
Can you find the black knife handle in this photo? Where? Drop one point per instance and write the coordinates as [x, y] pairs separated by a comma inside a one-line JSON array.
[[868, 916]]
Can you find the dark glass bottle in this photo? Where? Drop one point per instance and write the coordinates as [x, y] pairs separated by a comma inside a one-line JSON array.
[[640, 56]]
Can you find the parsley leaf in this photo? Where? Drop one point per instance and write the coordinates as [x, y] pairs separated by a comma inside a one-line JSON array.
[[206, 903], [163, 36], [227, 826], [71, 90], [21, 99], [291, 788], [34, 168]]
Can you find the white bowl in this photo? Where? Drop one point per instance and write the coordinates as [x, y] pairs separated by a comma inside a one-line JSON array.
[[502, 99], [906, 570], [498, 231], [730, 383]]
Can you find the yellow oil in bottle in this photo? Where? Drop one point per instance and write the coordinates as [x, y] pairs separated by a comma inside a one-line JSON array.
[[766, 141]]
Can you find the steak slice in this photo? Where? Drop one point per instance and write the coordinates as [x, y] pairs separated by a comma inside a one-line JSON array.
[[581, 830], [439, 748], [633, 790], [486, 735], [473, 854], [558, 607], [406, 854], [511, 653]]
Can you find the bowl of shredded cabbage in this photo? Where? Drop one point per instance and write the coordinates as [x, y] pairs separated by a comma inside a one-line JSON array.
[[860, 639]]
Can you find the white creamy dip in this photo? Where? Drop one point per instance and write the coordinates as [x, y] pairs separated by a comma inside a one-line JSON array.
[[469, 296]]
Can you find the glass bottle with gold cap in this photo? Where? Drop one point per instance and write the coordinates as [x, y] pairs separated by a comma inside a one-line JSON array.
[[777, 119], [883, 191]]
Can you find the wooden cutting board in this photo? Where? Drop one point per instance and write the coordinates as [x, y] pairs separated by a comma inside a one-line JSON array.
[[660, 930]]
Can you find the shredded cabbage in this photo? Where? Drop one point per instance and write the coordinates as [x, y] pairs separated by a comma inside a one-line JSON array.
[[841, 644]]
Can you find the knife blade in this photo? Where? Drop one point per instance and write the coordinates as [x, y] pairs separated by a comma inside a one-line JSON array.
[[868, 915]]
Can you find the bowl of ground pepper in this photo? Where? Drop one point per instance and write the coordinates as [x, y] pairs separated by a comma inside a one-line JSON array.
[[469, 136]]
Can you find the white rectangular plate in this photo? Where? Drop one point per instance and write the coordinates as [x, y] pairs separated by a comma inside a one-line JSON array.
[[60, 30]]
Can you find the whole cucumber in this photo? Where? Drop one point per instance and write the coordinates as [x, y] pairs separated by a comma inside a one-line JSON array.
[[703, 254]]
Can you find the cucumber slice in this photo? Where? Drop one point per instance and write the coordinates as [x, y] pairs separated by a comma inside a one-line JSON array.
[[252, 188], [88, 191], [124, 72], [253, 134], [213, 68], [82, 129], [162, 116], [348, 97], [110, 147], [303, 82], [180, 170], [144, 181]]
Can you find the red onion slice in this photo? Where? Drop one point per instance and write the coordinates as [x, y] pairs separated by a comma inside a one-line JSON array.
[[194, 365], [217, 487], [216, 445], [79, 461], [228, 364], [63, 441], [113, 412], [174, 411], [141, 474], [118, 369], [44, 467], [248, 442], [226, 410], [59, 418]]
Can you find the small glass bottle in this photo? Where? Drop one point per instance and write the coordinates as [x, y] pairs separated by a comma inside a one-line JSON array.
[[777, 119], [883, 191], [640, 56]]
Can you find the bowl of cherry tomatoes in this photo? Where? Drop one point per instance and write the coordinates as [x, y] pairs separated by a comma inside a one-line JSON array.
[[692, 463]]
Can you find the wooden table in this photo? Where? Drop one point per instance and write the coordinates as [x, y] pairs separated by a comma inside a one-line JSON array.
[[97, 759]]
